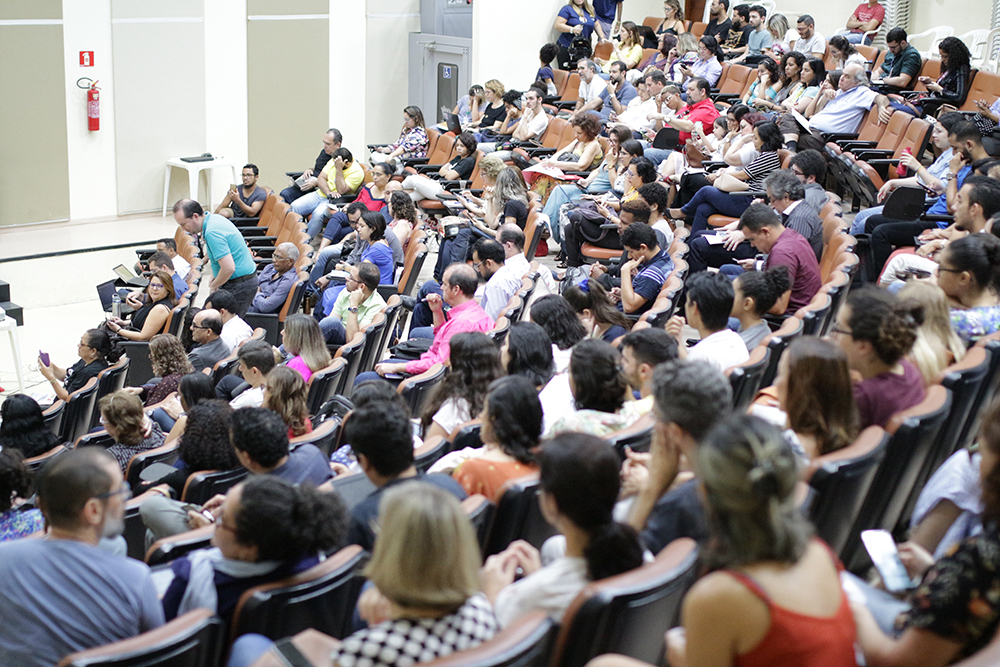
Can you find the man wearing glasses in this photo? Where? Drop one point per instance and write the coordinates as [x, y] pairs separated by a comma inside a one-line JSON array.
[[276, 281], [901, 66], [356, 306], [206, 330], [64, 594]]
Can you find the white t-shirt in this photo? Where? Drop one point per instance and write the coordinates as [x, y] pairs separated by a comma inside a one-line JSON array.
[[724, 349], [251, 398], [557, 401], [234, 332], [550, 589], [668, 231], [561, 358], [452, 413], [181, 266], [537, 124], [594, 89], [635, 115], [815, 44]]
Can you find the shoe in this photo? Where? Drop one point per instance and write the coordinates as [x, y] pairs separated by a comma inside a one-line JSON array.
[[407, 302]]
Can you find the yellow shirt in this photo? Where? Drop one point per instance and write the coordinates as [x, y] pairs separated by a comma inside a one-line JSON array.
[[354, 176]]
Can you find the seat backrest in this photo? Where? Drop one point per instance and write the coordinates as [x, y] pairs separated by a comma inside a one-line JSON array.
[[110, 380], [638, 437], [932, 69], [467, 435], [500, 329], [322, 597], [323, 385], [746, 378], [523, 643], [294, 299], [532, 234], [443, 149], [603, 50], [560, 78], [351, 351], [518, 516], [175, 546], [777, 341], [871, 128], [322, 436], [352, 488], [416, 390], [554, 132], [35, 463], [987, 392], [985, 86], [429, 452], [837, 288], [79, 409], [163, 454], [572, 90], [815, 314], [191, 640], [915, 138], [205, 484], [224, 367], [736, 80], [913, 433], [839, 482], [433, 134], [628, 613], [52, 416], [373, 335], [408, 280], [894, 131]]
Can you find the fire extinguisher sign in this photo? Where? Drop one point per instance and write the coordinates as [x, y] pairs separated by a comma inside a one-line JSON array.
[[86, 58]]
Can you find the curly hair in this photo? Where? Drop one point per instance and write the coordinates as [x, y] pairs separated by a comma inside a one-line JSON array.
[[515, 416], [889, 324], [15, 478], [588, 124], [820, 399], [167, 356], [206, 444], [286, 394], [23, 426], [598, 382], [475, 363], [124, 412], [403, 207], [557, 317], [799, 59], [958, 55], [287, 522]]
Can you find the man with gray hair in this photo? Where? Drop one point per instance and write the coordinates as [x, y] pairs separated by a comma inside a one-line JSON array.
[[810, 42], [787, 196], [689, 398], [591, 87], [840, 111], [276, 281]]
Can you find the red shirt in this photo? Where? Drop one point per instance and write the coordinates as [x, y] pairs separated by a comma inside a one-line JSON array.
[[365, 197], [793, 251], [864, 13], [703, 111]]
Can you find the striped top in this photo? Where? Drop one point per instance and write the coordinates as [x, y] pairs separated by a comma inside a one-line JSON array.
[[761, 168]]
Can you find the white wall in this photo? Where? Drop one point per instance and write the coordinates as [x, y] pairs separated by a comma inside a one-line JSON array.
[[389, 23]]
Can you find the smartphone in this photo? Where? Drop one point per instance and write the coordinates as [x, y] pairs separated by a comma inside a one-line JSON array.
[[882, 550], [44, 356]]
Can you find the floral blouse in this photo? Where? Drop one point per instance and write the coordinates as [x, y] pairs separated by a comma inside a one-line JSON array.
[[414, 143], [959, 598], [15, 523], [971, 324]]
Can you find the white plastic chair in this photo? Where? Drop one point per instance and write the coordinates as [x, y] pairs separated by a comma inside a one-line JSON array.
[[937, 33], [976, 40], [990, 60]]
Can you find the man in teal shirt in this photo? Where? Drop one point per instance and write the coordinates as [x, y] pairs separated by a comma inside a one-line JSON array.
[[901, 66], [233, 266]]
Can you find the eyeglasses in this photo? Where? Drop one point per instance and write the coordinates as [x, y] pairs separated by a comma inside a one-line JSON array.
[[195, 326], [797, 172], [838, 330], [349, 279], [476, 265], [125, 490], [155, 286], [222, 524]]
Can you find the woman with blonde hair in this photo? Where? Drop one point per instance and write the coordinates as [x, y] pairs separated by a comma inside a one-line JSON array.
[[285, 392], [304, 341], [494, 110], [673, 19], [170, 363], [777, 25], [506, 204], [133, 432], [628, 50], [685, 55], [937, 345]]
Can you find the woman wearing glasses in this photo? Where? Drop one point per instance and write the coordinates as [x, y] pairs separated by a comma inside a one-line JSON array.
[[94, 349], [152, 309]]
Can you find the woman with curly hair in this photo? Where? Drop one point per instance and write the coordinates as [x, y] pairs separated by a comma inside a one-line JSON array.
[[474, 363], [952, 87], [584, 153], [404, 216], [876, 330], [170, 363], [15, 484], [596, 312], [285, 392], [303, 339], [268, 529], [512, 425], [23, 427], [133, 432], [600, 391], [814, 390]]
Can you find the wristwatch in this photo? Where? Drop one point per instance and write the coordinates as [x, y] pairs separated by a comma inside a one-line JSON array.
[[352, 310]]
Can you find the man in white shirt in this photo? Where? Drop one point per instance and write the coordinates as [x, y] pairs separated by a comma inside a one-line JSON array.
[[809, 42], [709, 302], [234, 329], [256, 361], [502, 282], [591, 87], [534, 120], [636, 115]]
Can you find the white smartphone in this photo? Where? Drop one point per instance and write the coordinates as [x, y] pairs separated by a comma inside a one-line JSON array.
[[882, 550]]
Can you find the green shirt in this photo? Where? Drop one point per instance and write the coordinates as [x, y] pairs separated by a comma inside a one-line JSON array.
[[367, 311], [222, 239], [907, 61]]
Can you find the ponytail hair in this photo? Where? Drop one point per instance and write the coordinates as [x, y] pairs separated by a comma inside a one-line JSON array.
[[885, 321], [101, 342], [580, 472], [979, 254], [287, 522]]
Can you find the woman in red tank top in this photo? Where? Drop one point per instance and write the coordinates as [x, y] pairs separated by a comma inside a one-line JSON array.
[[773, 597]]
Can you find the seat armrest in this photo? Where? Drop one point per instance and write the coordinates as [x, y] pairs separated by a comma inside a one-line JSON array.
[[245, 222], [543, 150], [837, 137], [428, 168], [872, 153], [938, 218], [563, 105], [852, 145], [881, 161], [253, 232], [724, 97], [412, 161], [262, 242]]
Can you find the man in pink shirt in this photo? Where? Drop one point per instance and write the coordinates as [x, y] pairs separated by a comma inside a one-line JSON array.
[[868, 16], [458, 290]]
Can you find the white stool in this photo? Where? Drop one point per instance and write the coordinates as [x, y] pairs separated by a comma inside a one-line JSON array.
[[194, 169], [9, 325]]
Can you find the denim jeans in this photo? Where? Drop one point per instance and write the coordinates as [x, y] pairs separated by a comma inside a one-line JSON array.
[[329, 254], [710, 201], [334, 331], [308, 202]]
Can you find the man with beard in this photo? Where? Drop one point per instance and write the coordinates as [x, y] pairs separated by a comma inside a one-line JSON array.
[[643, 351], [64, 594], [618, 92]]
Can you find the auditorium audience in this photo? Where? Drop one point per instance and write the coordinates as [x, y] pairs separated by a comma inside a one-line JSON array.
[[474, 362], [600, 392], [754, 295], [152, 309], [133, 432], [867, 17], [285, 392], [502, 282], [206, 331], [459, 168], [64, 594], [166, 355], [171, 413], [719, 23], [645, 272], [969, 273], [412, 142], [527, 351], [22, 427], [341, 176], [276, 280], [356, 306], [901, 65], [511, 427], [813, 384], [709, 301], [557, 317], [937, 345], [876, 330], [246, 201], [584, 153], [95, 354], [951, 87], [255, 361], [642, 351], [381, 436], [331, 142], [843, 53], [17, 519], [268, 530], [578, 489], [160, 261]]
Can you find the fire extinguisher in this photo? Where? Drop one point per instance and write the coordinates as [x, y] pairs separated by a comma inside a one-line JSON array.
[[93, 104]]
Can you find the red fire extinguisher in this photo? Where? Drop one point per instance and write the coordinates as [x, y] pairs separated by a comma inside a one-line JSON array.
[[93, 104]]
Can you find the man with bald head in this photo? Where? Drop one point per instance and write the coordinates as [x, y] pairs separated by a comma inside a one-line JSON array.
[[276, 281], [206, 330], [840, 111], [458, 290]]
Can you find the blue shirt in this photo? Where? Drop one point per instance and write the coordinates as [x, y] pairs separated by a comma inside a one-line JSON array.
[[626, 93], [844, 112], [605, 9], [272, 290], [179, 285], [940, 207], [572, 20], [380, 255], [650, 279], [758, 41], [222, 240]]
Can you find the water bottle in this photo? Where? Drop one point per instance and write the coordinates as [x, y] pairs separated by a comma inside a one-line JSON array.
[[116, 305]]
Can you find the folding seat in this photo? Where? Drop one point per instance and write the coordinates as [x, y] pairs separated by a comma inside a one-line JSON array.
[[815, 314], [790, 329], [323, 436], [417, 389], [78, 412], [518, 516], [746, 378], [203, 485], [351, 352], [110, 380], [323, 385], [163, 454]]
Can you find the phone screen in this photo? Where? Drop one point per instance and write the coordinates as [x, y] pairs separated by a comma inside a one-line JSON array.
[[882, 550]]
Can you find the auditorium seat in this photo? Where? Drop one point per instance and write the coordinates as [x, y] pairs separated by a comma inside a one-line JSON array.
[[203, 485], [747, 377], [417, 389], [518, 516], [524, 643]]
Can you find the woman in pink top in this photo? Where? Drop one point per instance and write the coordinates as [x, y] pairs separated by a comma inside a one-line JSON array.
[[304, 341]]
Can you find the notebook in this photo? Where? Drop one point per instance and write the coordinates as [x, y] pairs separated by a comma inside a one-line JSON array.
[[128, 277]]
